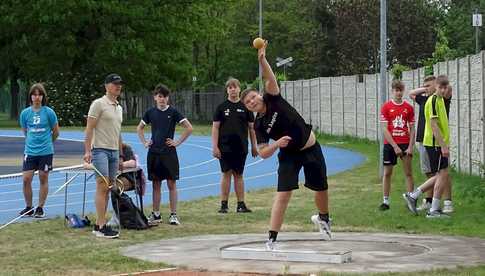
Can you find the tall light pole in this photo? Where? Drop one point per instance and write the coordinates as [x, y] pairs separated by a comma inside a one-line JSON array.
[[260, 74], [383, 75]]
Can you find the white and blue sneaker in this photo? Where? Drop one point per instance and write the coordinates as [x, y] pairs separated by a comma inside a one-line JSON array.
[[437, 214], [323, 227], [270, 245], [411, 203]]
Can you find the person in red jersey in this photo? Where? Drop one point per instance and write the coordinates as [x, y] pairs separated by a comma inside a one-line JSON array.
[[397, 124]]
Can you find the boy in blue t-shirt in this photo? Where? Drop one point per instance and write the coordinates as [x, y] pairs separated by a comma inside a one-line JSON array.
[[40, 127], [162, 159]]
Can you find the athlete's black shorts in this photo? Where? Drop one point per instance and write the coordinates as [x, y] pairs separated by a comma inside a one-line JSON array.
[[234, 161], [37, 163], [313, 163], [436, 161], [161, 166], [389, 156]]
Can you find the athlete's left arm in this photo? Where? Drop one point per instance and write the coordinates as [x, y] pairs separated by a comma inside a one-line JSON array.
[[188, 130], [270, 83], [52, 118], [412, 138], [55, 132]]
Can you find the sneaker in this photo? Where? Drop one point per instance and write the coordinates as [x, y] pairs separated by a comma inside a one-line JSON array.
[[96, 230], [223, 210], [107, 233], [39, 212], [448, 208], [173, 220], [27, 211], [154, 219], [243, 209], [384, 207], [437, 214], [425, 206], [270, 245], [410, 203], [323, 227]]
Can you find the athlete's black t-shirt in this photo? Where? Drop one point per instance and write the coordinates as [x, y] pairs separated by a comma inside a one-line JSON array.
[[233, 130], [421, 101], [281, 119], [163, 126]]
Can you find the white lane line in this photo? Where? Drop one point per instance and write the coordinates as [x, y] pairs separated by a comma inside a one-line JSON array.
[[146, 194], [182, 178]]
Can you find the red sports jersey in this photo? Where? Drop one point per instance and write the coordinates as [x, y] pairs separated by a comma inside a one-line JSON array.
[[397, 117]]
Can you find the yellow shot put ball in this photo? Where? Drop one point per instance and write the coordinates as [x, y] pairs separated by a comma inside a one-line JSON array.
[[258, 43]]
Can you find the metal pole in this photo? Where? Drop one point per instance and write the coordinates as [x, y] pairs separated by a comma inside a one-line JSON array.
[[260, 75], [383, 75]]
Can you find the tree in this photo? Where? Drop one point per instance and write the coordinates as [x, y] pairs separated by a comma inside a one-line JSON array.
[[457, 25], [411, 32], [144, 41]]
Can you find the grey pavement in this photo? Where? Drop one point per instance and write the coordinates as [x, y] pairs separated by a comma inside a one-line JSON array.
[[371, 252]]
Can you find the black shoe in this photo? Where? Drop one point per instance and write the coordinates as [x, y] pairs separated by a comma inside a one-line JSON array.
[[384, 207], [243, 209], [154, 219], [223, 210], [105, 232], [27, 211], [39, 212]]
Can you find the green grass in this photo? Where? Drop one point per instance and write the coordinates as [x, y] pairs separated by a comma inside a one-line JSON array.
[[6, 122], [48, 248]]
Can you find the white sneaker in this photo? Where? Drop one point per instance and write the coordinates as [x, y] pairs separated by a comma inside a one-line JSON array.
[[323, 227], [425, 206], [173, 220], [270, 245], [448, 207], [437, 214]]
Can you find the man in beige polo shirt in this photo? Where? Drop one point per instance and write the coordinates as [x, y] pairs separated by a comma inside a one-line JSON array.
[[102, 147]]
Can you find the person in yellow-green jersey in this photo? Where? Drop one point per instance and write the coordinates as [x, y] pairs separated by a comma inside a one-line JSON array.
[[436, 142]]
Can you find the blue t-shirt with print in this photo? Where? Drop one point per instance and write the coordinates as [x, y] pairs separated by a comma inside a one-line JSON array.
[[38, 125]]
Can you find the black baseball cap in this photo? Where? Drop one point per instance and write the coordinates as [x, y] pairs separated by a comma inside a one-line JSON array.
[[113, 78]]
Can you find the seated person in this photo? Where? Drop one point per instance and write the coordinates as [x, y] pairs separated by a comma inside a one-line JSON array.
[[130, 160]]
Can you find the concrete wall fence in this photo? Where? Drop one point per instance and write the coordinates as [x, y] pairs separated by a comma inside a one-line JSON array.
[[349, 105]]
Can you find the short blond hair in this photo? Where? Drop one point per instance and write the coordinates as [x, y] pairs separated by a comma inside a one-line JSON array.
[[397, 85]]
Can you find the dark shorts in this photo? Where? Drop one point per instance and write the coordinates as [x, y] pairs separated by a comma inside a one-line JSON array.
[[37, 163], [389, 156], [233, 161], [436, 161], [161, 166], [313, 163]]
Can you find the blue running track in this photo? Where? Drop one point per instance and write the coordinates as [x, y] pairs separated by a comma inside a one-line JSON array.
[[199, 176]]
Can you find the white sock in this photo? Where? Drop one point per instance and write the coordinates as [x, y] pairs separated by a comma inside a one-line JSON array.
[[156, 213], [435, 205], [385, 200], [447, 202], [416, 193]]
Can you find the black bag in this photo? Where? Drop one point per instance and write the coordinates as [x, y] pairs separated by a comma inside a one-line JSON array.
[[130, 216]]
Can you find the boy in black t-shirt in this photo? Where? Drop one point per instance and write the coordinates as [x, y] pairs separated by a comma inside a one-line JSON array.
[[230, 126], [162, 159], [279, 121]]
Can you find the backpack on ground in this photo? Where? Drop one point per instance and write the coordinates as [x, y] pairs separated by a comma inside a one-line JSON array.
[[130, 216]]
